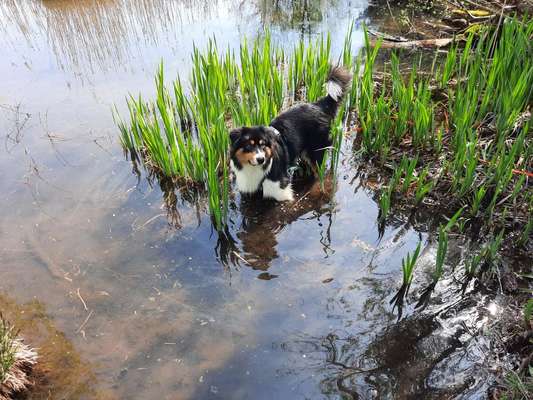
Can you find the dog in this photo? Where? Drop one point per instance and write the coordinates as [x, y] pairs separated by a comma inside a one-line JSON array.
[[261, 156]]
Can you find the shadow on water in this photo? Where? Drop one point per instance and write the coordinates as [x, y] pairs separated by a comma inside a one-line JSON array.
[[263, 220]]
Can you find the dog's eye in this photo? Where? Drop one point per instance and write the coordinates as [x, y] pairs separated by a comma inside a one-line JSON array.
[[248, 148]]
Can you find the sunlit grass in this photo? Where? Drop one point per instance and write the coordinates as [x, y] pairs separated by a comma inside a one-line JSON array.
[[185, 136], [7, 348], [408, 266], [459, 135], [480, 137]]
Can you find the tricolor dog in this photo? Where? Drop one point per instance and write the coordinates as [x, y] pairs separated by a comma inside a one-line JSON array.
[[261, 156]]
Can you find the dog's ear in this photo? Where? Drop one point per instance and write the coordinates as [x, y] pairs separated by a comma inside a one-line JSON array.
[[235, 134]]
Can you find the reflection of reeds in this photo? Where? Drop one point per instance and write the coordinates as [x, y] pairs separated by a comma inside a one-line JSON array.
[[301, 14], [186, 137], [96, 33], [16, 361]]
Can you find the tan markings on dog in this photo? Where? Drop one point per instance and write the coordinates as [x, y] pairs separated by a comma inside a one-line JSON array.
[[261, 142], [244, 156], [252, 142], [268, 152]]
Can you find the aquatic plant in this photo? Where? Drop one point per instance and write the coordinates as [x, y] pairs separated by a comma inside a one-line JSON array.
[[7, 348], [185, 136], [408, 265], [16, 361], [441, 254], [385, 203], [423, 187], [468, 120], [517, 386]]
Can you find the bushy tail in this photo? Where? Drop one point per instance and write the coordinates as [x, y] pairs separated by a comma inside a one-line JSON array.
[[337, 86]]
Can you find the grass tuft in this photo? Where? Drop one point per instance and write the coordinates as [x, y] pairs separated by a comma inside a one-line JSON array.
[[7, 348], [16, 362]]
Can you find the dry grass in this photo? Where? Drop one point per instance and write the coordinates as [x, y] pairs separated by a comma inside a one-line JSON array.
[[16, 362]]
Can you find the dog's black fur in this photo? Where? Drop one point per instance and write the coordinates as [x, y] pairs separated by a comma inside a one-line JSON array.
[[301, 132]]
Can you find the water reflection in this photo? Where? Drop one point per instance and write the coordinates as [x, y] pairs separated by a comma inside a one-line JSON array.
[[106, 35], [402, 360], [263, 221], [251, 236], [302, 15], [97, 33]]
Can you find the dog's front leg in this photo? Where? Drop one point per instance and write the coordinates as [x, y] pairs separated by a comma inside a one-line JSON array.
[[278, 190]]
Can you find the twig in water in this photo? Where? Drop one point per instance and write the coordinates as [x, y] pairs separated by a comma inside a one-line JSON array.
[[241, 257], [151, 219], [83, 301], [84, 322], [300, 199]]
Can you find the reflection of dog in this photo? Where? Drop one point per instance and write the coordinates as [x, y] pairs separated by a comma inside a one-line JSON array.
[[262, 155], [263, 221]]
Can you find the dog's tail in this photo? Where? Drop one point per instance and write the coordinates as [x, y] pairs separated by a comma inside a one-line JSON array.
[[337, 86]]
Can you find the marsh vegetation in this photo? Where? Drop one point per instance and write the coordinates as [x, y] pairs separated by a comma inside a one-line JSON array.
[[16, 362], [183, 134], [452, 137], [411, 249]]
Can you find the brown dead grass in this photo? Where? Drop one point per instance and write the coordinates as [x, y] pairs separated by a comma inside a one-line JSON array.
[[18, 378]]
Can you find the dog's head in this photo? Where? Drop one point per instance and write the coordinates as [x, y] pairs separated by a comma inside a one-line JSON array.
[[254, 145]]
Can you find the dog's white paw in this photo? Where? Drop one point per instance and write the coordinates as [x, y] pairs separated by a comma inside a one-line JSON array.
[[273, 190]]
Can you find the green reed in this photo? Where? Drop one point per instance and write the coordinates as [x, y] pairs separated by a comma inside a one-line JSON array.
[[408, 266], [442, 248], [486, 258], [183, 132], [423, 186], [7, 348], [385, 201], [476, 139]]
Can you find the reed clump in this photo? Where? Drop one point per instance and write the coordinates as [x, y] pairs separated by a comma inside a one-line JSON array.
[[183, 133], [16, 362], [458, 136]]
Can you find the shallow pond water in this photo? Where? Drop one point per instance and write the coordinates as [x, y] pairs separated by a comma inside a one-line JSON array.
[[129, 300]]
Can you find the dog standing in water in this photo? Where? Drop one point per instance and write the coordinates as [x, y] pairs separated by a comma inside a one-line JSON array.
[[262, 155]]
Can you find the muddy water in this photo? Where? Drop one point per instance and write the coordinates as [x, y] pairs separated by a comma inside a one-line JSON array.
[[130, 300]]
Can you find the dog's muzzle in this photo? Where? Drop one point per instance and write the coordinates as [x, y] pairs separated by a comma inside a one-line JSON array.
[[259, 158]]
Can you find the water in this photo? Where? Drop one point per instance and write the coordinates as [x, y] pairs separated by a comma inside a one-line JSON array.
[[126, 299]]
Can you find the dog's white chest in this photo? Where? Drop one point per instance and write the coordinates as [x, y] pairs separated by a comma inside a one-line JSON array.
[[249, 177]]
